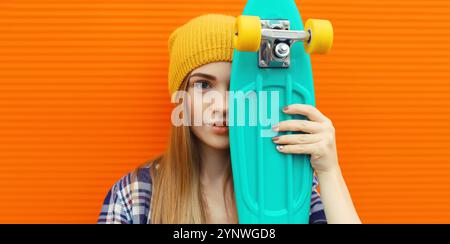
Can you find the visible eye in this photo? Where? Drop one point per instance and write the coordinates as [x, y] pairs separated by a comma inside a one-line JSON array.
[[202, 84]]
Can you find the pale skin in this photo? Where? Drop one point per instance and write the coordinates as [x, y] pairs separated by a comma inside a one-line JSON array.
[[319, 142]]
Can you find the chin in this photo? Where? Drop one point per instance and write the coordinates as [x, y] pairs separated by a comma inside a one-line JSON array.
[[211, 139], [218, 142]]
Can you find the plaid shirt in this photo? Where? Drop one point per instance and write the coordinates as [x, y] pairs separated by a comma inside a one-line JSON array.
[[129, 201]]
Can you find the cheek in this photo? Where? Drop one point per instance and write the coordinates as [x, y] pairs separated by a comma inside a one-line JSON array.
[[197, 109], [193, 106]]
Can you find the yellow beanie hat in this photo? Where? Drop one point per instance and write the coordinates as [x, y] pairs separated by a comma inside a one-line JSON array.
[[204, 39]]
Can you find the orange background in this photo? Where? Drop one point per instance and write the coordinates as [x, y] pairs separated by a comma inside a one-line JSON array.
[[83, 100]]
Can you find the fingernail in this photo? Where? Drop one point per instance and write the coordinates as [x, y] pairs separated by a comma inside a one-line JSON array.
[[280, 147], [285, 108], [275, 139], [275, 128]]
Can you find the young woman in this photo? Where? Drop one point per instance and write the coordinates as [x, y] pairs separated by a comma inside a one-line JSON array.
[[191, 182]]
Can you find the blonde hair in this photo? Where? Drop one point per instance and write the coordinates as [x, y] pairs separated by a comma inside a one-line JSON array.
[[177, 197]]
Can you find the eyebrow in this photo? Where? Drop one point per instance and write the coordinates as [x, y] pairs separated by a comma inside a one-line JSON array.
[[206, 76]]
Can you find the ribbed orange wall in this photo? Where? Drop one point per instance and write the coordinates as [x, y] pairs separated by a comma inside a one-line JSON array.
[[83, 100]]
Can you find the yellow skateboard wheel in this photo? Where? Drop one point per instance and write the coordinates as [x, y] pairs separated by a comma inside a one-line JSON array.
[[321, 39], [247, 33]]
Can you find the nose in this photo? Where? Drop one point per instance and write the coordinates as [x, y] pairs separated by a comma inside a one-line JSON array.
[[221, 108]]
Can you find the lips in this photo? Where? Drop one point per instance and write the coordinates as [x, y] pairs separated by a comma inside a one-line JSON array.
[[219, 127]]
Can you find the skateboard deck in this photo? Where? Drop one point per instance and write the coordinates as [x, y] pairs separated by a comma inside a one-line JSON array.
[[270, 187]]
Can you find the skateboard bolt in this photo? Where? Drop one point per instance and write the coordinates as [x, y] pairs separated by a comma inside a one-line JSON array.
[[282, 50]]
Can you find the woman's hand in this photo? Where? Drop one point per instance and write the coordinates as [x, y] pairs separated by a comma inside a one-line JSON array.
[[319, 140]]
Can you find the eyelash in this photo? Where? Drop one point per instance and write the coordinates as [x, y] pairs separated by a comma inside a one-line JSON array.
[[201, 82]]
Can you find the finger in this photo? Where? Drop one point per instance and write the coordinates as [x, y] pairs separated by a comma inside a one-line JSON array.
[[297, 139], [305, 109], [298, 125], [297, 149]]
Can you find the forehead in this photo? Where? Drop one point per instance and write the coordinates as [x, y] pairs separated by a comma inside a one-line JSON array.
[[221, 70]]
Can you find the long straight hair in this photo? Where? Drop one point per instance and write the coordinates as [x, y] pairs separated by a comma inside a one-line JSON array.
[[177, 196]]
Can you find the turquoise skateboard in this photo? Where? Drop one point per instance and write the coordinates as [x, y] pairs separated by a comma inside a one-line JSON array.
[[271, 70]]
